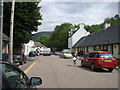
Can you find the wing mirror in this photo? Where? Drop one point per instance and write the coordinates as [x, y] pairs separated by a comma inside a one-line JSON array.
[[35, 81]]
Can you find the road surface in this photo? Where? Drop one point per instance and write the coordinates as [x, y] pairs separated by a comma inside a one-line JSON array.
[[61, 73]]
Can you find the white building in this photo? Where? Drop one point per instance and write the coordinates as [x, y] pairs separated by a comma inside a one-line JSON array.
[[75, 35], [28, 47]]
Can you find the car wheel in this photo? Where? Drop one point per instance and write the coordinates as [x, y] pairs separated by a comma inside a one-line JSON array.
[[110, 70], [93, 67], [82, 64]]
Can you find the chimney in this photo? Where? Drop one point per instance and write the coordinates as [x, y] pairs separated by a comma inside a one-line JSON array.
[[106, 25], [82, 25], [69, 33]]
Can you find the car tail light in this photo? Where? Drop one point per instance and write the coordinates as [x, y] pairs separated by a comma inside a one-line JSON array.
[[20, 58], [114, 60], [10, 60]]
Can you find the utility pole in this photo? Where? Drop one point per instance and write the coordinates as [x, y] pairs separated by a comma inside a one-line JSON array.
[[11, 30], [1, 27]]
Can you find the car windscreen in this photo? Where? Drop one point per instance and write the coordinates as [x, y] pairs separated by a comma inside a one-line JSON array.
[[106, 56]]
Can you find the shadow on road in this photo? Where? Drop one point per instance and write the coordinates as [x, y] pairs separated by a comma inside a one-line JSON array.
[[88, 69]]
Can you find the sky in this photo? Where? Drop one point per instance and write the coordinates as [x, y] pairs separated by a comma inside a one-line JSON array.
[[75, 12]]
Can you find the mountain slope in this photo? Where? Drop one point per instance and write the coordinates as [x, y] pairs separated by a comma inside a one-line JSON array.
[[35, 36]]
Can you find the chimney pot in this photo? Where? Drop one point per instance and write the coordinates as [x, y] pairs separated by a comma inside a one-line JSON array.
[[107, 25]]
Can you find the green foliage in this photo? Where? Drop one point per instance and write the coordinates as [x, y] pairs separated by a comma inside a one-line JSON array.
[[112, 20], [44, 39], [94, 28], [59, 37], [25, 21]]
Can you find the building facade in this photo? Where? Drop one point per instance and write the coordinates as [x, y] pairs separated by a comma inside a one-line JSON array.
[[107, 39], [30, 46], [75, 35]]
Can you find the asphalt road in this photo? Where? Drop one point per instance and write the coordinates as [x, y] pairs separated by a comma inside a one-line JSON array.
[[61, 73]]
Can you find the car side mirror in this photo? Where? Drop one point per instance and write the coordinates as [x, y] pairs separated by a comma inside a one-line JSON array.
[[35, 81]]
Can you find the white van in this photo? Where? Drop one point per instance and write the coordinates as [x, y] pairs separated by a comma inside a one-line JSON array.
[[46, 51]]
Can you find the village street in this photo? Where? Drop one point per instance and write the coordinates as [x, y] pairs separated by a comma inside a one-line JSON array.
[[60, 73]]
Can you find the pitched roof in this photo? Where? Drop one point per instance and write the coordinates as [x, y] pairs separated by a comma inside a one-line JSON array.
[[38, 44], [79, 41], [5, 37], [108, 36]]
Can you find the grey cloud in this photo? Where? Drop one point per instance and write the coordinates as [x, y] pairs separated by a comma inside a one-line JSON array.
[[75, 12]]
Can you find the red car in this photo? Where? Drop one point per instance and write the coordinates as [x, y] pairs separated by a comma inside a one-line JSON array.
[[98, 60]]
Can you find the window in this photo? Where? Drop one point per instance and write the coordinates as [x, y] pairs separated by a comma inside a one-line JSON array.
[[94, 55], [91, 55], [15, 78], [106, 56]]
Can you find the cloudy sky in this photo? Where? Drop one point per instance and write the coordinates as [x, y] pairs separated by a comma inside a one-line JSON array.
[[56, 13]]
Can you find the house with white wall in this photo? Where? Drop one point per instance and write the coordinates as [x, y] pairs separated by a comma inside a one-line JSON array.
[[75, 35], [107, 39], [28, 47]]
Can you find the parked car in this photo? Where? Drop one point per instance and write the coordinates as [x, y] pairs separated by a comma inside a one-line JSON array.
[[32, 54], [21, 58], [98, 60], [15, 79], [15, 61], [66, 54], [41, 52], [36, 53], [47, 51], [57, 52]]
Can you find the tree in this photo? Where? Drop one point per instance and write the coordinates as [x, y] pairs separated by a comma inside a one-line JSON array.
[[25, 21], [97, 27], [93, 28], [112, 20], [44, 39], [59, 37]]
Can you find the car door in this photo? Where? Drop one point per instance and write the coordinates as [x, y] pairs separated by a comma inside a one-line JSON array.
[[90, 59], [85, 59], [14, 77]]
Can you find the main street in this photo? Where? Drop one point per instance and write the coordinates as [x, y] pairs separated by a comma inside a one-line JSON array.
[[61, 73]]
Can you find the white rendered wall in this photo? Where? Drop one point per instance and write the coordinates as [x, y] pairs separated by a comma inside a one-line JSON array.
[[79, 33], [28, 47]]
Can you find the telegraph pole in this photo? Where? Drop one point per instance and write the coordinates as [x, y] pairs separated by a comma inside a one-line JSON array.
[[11, 30], [1, 27]]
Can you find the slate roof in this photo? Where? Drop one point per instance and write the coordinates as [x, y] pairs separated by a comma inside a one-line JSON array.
[[5, 37], [110, 35], [79, 41]]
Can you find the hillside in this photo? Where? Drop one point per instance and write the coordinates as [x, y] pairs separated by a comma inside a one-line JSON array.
[[35, 36]]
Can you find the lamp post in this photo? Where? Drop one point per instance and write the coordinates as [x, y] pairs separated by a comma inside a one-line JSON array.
[[1, 27]]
